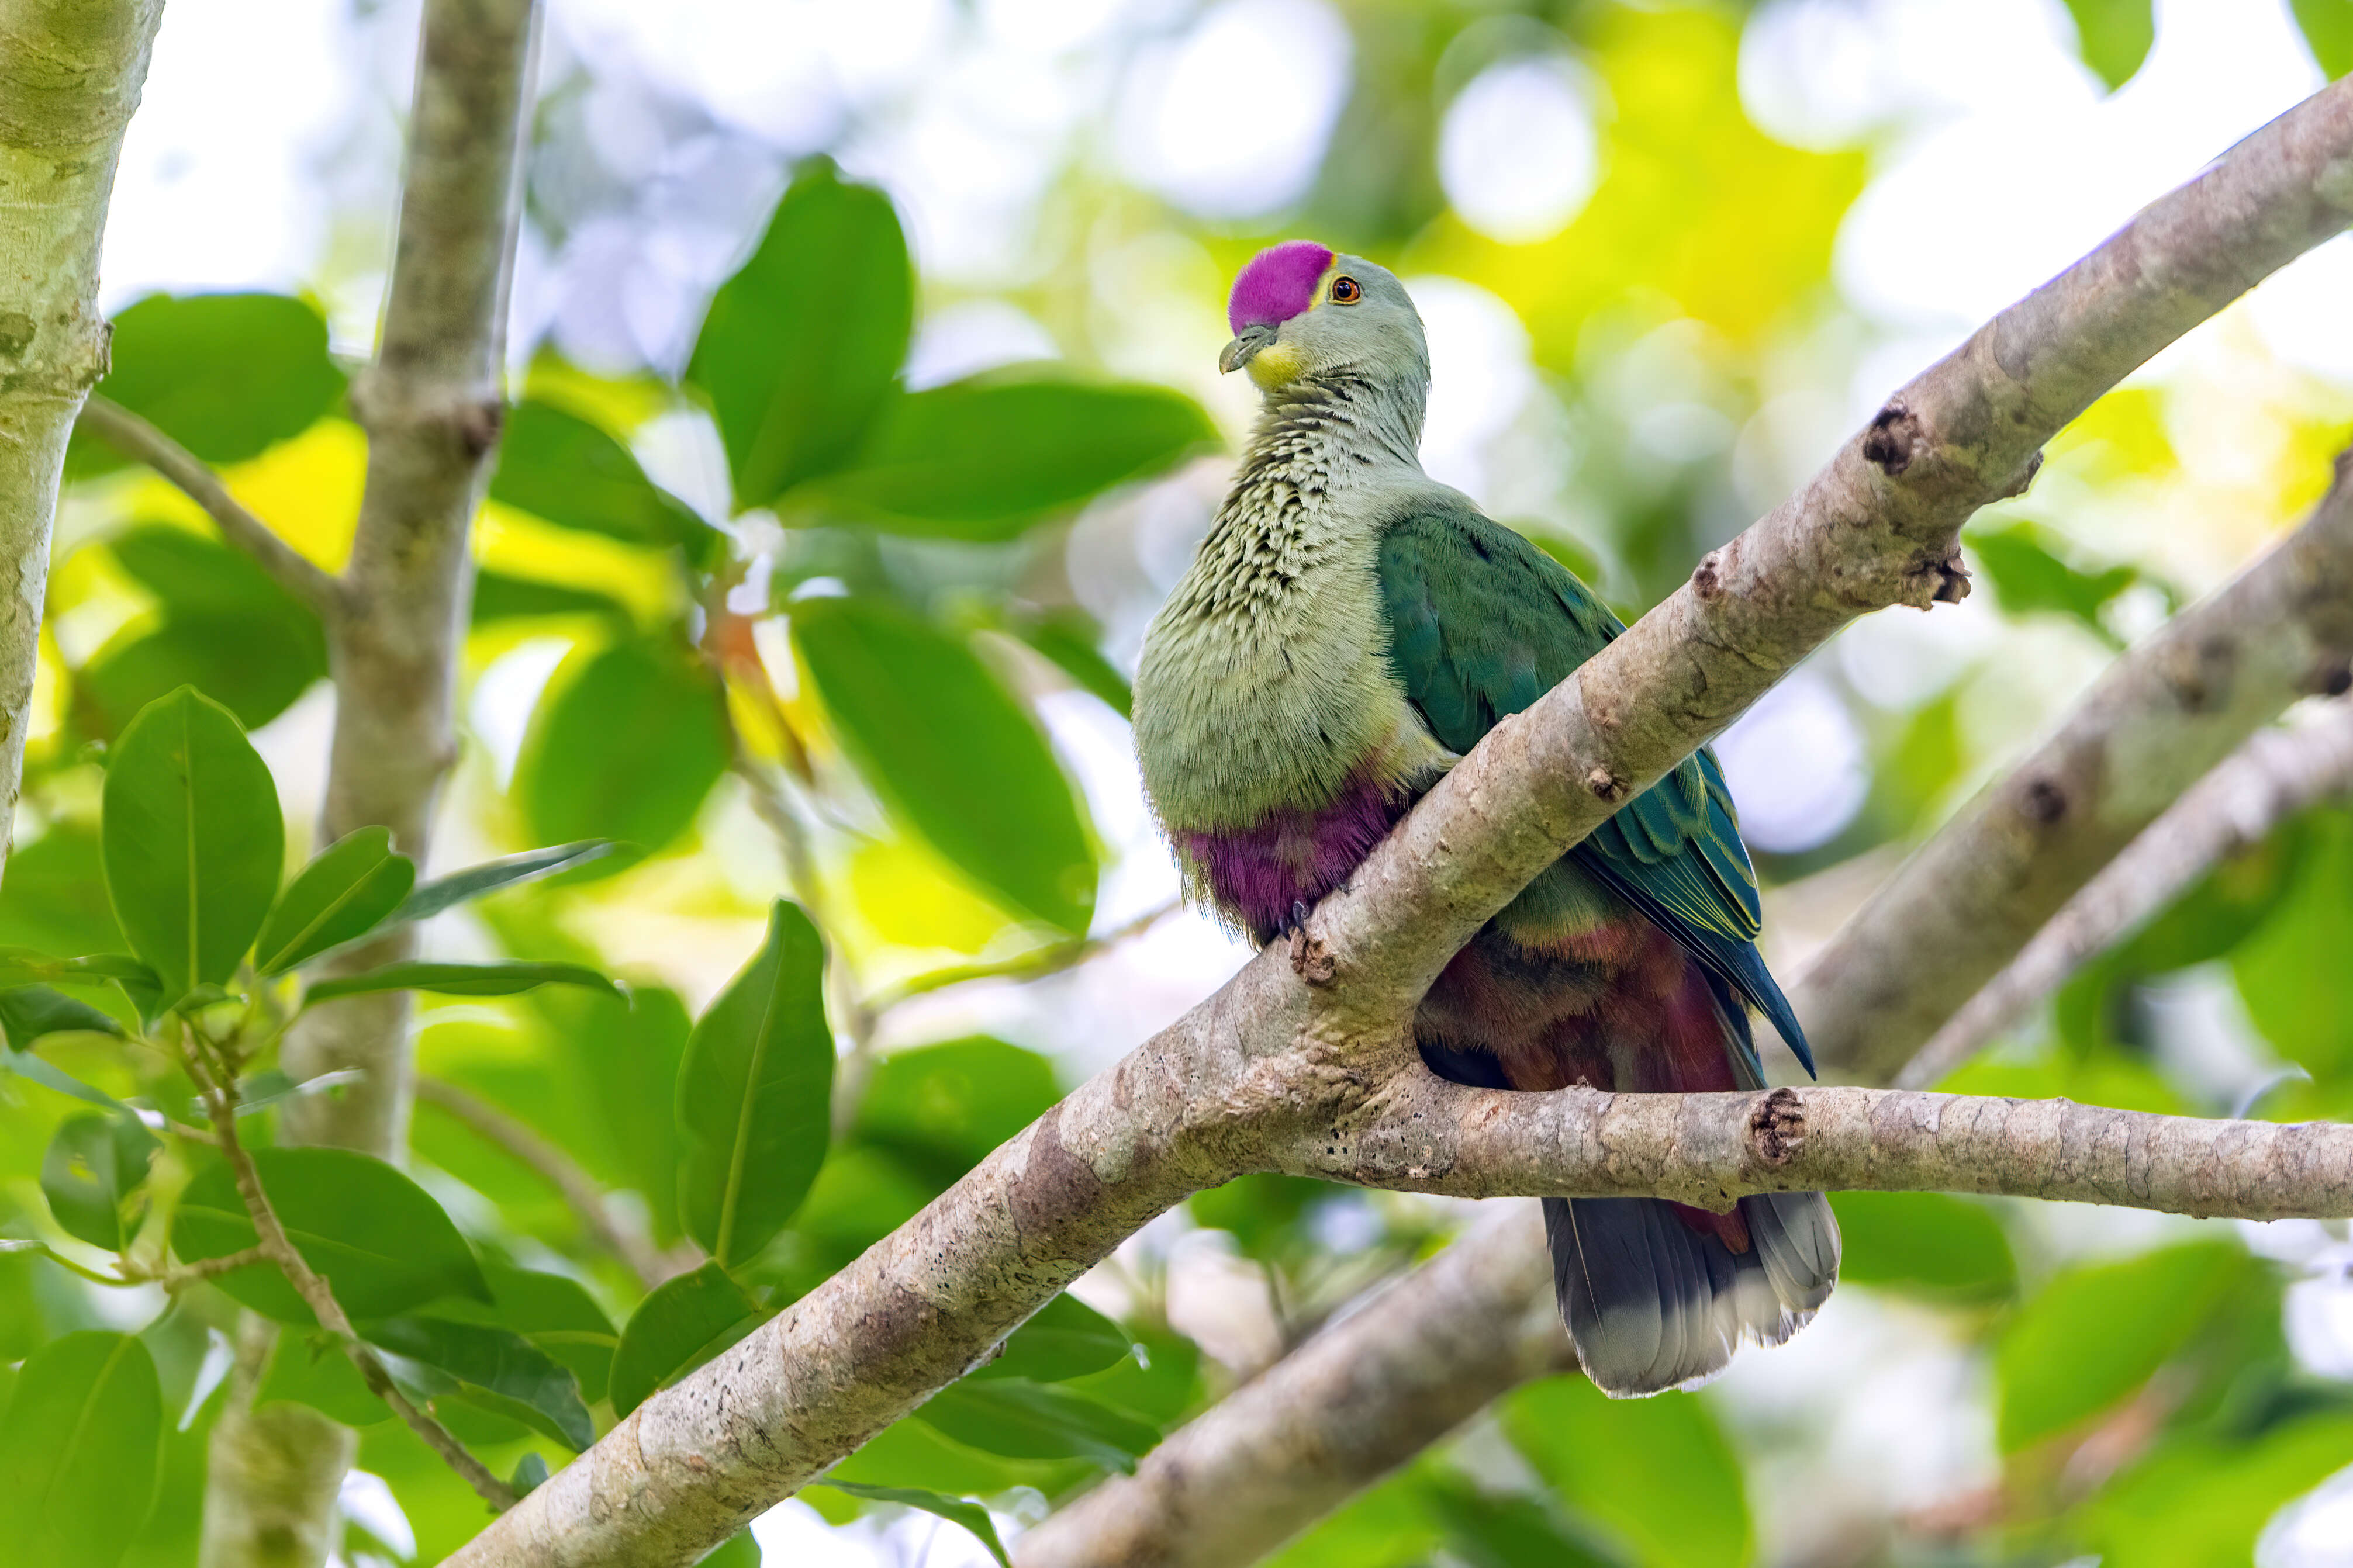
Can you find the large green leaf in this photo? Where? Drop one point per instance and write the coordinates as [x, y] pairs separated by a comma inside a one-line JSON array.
[[2328, 27], [80, 1447], [754, 1095], [683, 1323], [54, 900], [2027, 576], [802, 345], [2098, 1331], [2114, 35], [193, 840], [2197, 1500], [1067, 1339], [309, 1369], [29, 1012], [382, 1242], [93, 1166], [985, 459], [1656, 1472], [1025, 1420], [964, 1512], [1071, 641], [557, 466], [349, 889], [2291, 972], [1507, 1530], [1929, 1243], [952, 753], [458, 887], [226, 375], [499, 1369], [500, 597], [629, 1059], [625, 745], [502, 978], [555, 1314], [228, 628]]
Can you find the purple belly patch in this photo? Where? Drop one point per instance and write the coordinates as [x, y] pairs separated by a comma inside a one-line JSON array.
[[1291, 857]]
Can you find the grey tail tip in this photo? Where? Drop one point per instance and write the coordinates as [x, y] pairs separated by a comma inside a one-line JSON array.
[[1653, 1305]]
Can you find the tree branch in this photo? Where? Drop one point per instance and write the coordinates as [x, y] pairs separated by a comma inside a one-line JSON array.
[[319, 1296], [2270, 779], [431, 405], [2163, 715], [136, 439], [560, 1171], [70, 73], [1315, 1044]]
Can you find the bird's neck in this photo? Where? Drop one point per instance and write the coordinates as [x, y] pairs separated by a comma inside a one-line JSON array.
[[1345, 426]]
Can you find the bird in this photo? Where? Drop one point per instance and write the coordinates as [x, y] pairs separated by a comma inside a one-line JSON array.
[[1347, 630]]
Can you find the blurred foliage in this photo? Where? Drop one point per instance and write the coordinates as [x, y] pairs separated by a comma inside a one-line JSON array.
[[838, 661]]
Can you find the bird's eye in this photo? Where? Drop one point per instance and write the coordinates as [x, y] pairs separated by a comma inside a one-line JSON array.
[[1344, 292]]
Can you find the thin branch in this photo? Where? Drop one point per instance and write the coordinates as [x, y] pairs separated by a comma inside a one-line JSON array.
[[2270, 779], [134, 437], [2158, 719], [319, 1296], [560, 1171], [1054, 958], [1316, 1041]]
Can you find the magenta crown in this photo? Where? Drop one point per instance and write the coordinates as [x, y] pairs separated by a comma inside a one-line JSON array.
[[1277, 284]]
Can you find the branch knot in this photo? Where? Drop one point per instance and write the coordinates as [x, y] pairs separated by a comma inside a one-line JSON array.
[[1776, 1127], [1895, 439], [1606, 786]]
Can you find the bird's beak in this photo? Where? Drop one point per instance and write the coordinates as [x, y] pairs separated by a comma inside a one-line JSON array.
[[1244, 348]]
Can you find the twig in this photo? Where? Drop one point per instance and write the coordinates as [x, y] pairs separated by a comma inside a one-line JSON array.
[[2265, 781], [135, 437], [579, 1189], [319, 1296], [1035, 964]]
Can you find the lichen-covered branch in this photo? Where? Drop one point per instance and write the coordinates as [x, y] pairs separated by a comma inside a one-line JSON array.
[[2270, 778], [136, 439], [2162, 716], [1309, 1048], [70, 74]]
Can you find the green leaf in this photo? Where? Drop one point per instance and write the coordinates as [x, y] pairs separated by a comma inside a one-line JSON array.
[[81, 1447], [2098, 1331], [1928, 1242], [26, 1064], [941, 1109], [226, 375], [557, 466], [1067, 1339], [1067, 639], [380, 1239], [501, 597], [2203, 1501], [628, 1061], [500, 1369], [987, 457], [1025, 1420], [683, 1323], [2028, 577], [53, 898], [754, 1095], [193, 840], [458, 887], [952, 754], [29, 1012], [1656, 1472], [529, 1472], [740, 1550], [964, 1512], [505, 977], [346, 891], [2291, 972], [2114, 35], [2328, 27], [802, 344], [93, 1166], [228, 628], [625, 744], [554, 1313], [1506, 1530]]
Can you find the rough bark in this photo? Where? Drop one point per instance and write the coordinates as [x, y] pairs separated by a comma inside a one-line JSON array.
[[2270, 779], [2162, 716], [431, 405], [1308, 1050], [70, 74]]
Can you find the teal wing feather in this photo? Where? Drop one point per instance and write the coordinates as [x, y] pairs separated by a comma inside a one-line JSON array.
[[1483, 623]]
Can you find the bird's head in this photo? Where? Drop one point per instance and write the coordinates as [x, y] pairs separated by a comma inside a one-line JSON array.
[[1301, 311]]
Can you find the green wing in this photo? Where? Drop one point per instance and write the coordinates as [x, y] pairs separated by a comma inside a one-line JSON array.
[[1482, 623]]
